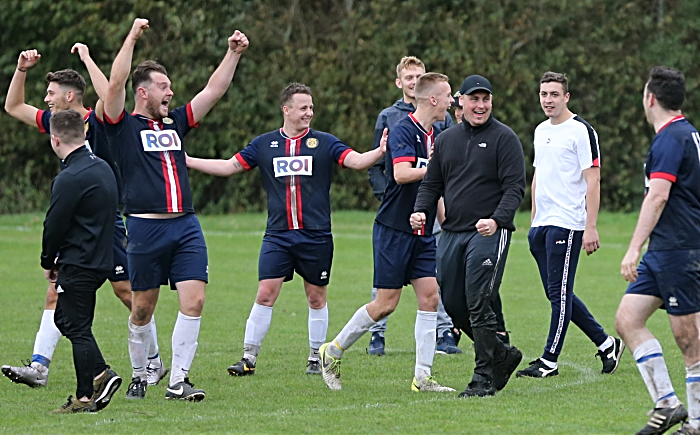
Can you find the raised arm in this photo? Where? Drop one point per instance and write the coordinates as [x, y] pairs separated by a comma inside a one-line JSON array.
[[98, 79], [116, 91], [218, 167], [221, 79], [356, 160], [14, 103]]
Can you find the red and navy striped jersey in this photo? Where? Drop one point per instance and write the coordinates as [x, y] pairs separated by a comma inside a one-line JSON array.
[[95, 140], [151, 156], [674, 155], [296, 173], [408, 142]]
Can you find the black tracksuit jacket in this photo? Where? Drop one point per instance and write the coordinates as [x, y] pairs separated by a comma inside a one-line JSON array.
[[480, 171], [79, 226]]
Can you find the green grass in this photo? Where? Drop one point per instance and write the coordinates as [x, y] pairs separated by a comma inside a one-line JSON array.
[[376, 394]]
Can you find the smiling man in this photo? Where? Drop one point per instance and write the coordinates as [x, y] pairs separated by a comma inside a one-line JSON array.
[[479, 169], [166, 243], [565, 200], [296, 166]]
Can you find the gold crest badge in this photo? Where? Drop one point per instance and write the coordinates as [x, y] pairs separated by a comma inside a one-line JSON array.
[[87, 127], [167, 120], [311, 142]]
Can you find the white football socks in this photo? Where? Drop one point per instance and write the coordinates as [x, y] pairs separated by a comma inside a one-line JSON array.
[[184, 342], [426, 323], [652, 367], [139, 341], [153, 349], [359, 323], [692, 388], [46, 339], [318, 327], [256, 328]]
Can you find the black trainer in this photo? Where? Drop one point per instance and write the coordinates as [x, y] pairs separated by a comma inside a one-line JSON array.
[[611, 356], [137, 389], [504, 369], [537, 369], [105, 387], [478, 389], [313, 367], [242, 368], [662, 419]]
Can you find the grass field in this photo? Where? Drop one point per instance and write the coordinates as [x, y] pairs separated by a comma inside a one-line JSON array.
[[376, 395]]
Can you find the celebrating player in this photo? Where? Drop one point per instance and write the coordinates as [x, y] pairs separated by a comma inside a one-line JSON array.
[[65, 91], [407, 72], [403, 255], [166, 243], [296, 165], [668, 275]]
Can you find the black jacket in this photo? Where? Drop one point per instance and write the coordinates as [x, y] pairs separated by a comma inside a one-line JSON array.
[[79, 226], [480, 171]]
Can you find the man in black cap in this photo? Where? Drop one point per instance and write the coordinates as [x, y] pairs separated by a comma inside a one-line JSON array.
[[458, 108], [77, 255], [479, 169]]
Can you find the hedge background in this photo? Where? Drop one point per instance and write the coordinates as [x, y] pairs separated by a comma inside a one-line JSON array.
[[346, 50]]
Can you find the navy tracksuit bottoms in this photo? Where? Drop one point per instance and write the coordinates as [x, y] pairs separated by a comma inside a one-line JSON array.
[[556, 251]]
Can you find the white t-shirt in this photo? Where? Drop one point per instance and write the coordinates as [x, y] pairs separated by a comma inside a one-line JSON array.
[[562, 153]]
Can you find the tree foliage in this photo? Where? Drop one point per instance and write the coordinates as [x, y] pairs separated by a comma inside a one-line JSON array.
[[347, 51]]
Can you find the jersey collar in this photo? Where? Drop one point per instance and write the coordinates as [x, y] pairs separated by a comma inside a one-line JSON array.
[[674, 119]]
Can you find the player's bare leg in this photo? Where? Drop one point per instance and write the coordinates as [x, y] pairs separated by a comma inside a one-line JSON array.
[[630, 322]]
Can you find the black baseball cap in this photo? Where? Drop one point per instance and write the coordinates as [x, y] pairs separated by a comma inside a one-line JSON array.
[[455, 103], [475, 83]]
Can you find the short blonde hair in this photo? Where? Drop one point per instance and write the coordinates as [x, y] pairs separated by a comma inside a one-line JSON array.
[[408, 62], [426, 83]]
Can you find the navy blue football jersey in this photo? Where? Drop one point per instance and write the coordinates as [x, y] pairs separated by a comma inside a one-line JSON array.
[[408, 142], [95, 140], [151, 157], [296, 173], [674, 155]]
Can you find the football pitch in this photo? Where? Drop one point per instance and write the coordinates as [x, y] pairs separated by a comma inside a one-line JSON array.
[[376, 395]]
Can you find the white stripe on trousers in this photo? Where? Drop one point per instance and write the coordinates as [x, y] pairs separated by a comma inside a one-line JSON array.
[[562, 292]]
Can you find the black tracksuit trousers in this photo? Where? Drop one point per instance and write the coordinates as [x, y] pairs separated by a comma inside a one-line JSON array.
[[75, 311], [470, 268]]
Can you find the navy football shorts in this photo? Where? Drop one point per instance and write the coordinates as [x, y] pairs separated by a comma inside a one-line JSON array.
[[400, 257], [120, 270], [308, 252], [673, 276], [165, 250]]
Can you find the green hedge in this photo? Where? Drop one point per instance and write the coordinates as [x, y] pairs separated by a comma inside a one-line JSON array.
[[347, 51]]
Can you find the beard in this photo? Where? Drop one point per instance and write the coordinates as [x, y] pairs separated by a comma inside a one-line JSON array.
[[153, 109]]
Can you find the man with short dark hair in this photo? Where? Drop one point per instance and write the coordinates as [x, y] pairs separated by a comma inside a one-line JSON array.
[[64, 91], [408, 70], [479, 169], [667, 276], [166, 244], [565, 201], [296, 166], [402, 255], [77, 255]]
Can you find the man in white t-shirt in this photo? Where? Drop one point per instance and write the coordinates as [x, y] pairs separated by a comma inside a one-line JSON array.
[[565, 200]]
